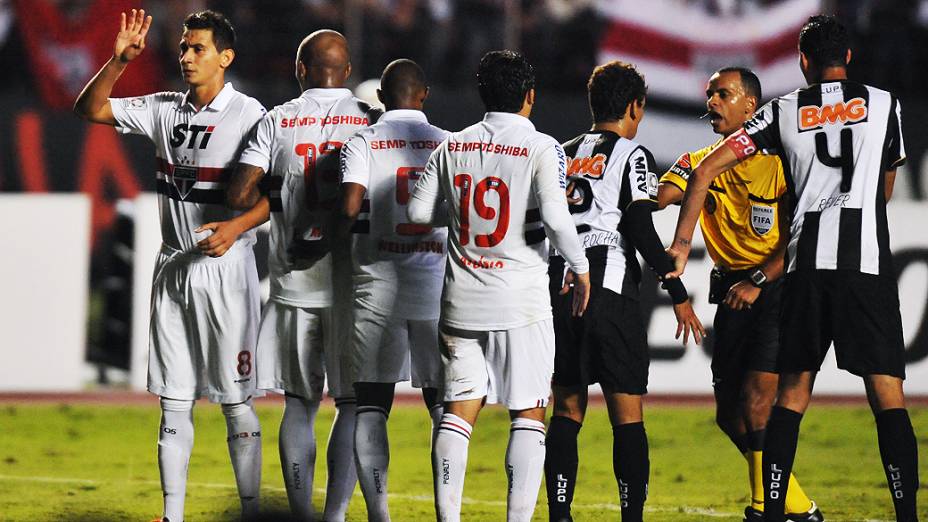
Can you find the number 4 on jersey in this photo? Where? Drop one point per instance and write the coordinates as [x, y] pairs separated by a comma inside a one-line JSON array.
[[844, 161]]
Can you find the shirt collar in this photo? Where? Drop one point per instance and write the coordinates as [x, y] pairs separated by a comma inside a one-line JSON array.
[[404, 114], [508, 118], [317, 92], [218, 103]]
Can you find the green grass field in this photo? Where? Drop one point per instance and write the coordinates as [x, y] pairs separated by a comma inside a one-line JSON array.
[[97, 463]]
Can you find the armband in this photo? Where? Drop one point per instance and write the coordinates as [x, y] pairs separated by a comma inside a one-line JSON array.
[[741, 144]]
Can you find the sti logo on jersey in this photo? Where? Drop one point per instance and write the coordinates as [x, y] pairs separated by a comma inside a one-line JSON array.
[[812, 117], [180, 134]]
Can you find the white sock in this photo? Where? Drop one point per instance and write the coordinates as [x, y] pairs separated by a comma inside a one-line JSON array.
[[340, 462], [297, 443], [244, 438], [449, 464], [525, 460], [175, 442], [372, 456], [435, 413]]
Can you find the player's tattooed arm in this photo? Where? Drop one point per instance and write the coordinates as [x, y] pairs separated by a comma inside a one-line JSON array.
[[225, 233], [93, 103], [244, 189]]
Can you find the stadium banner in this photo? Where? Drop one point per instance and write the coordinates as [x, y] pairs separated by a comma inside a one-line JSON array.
[[675, 369], [44, 280], [677, 45]]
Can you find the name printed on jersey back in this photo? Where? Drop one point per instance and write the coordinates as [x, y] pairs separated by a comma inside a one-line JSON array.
[[494, 148]]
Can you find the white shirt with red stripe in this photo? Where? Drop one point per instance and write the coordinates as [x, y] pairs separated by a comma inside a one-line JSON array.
[[504, 186], [398, 266], [195, 153], [297, 144]]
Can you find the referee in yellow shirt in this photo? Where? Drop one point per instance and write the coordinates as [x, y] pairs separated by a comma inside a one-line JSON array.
[[743, 224]]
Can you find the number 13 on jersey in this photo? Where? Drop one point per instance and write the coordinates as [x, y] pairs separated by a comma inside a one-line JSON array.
[[467, 192]]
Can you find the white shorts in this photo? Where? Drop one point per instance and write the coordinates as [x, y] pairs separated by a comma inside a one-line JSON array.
[[291, 349], [511, 367], [204, 326], [387, 349]]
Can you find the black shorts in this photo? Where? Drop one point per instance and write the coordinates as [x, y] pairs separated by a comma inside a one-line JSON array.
[[745, 340], [608, 344], [858, 312]]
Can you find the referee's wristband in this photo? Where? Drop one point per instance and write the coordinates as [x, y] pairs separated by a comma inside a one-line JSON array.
[[675, 288]]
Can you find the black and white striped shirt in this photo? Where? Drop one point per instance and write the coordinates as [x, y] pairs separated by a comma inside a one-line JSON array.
[[837, 140]]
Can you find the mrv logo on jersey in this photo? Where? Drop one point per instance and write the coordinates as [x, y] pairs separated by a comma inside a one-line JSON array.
[[192, 134]]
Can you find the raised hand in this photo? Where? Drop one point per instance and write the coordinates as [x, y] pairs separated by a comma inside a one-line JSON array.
[[131, 38]]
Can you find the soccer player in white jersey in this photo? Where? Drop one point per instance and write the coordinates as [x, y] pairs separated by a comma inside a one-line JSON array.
[[204, 315], [294, 154], [500, 185], [612, 190], [840, 143], [398, 271]]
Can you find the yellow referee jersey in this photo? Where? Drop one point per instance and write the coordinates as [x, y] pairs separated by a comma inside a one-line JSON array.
[[739, 220]]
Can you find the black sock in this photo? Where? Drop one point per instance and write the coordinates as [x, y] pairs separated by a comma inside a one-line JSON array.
[[741, 442], [756, 440], [779, 451], [561, 466], [899, 452], [632, 468]]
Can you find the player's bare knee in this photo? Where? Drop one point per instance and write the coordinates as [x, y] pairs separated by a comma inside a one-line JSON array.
[[624, 408], [884, 392], [570, 402], [376, 394], [537, 414]]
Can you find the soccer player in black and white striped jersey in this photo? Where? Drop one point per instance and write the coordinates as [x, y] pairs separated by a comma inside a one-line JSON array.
[[840, 143]]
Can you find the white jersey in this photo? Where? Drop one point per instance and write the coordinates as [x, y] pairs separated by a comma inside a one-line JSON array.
[[605, 174], [503, 183], [398, 266], [836, 141], [297, 144], [195, 153]]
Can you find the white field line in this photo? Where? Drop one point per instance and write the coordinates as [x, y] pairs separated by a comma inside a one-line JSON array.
[[402, 496]]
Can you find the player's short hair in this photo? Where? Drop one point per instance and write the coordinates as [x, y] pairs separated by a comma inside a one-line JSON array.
[[612, 87], [749, 80], [223, 32], [824, 41], [503, 79]]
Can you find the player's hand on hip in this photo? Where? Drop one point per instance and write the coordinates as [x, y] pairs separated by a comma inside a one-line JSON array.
[[224, 235], [130, 41], [688, 322], [580, 284], [678, 257], [741, 295]]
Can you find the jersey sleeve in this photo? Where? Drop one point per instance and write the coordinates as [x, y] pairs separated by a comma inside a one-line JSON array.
[[258, 150], [763, 131], [640, 178], [679, 173], [549, 184], [894, 155], [354, 162], [138, 115], [425, 203]]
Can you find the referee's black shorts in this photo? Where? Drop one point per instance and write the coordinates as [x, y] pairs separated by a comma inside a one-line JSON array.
[[745, 340], [858, 312], [608, 344]]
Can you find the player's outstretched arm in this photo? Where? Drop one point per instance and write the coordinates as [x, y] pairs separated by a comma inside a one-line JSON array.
[[719, 160], [93, 103], [668, 194]]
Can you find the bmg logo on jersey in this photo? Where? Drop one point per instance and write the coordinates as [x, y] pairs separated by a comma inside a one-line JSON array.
[[191, 134], [813, 117]]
